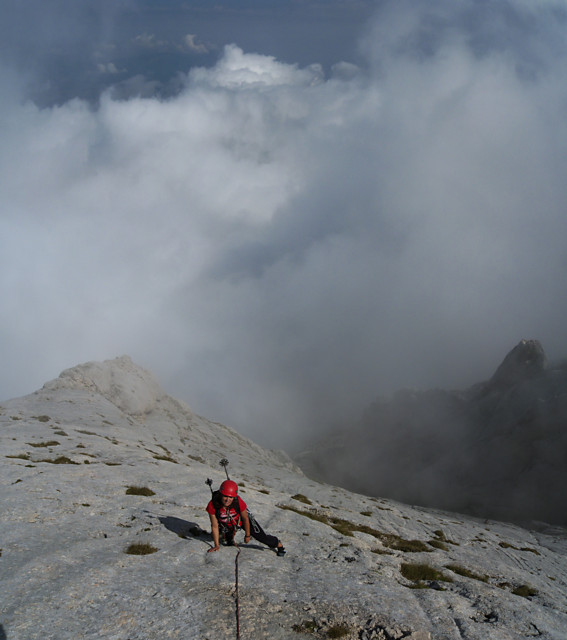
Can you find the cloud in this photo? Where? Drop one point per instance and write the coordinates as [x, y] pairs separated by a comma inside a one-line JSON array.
[[149, 41], [192, 44], [281, 247], [237, 70], [108, 67]]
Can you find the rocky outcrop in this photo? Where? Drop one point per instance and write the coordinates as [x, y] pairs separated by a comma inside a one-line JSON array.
[[129, 387], [498, 449]]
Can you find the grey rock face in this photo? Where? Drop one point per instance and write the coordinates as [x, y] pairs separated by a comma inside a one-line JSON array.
[[357, 567], [496, 450], [526, 360]]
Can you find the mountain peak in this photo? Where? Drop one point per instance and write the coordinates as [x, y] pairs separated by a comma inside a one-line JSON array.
[[127, 385], [525, 360]]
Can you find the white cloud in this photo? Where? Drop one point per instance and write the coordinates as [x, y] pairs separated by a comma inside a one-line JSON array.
[[236, 70], [149, 41], [280, 247], [107, 67], [195, 46]]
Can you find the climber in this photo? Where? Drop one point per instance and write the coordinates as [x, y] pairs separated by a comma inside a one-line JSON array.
[[228, 512]]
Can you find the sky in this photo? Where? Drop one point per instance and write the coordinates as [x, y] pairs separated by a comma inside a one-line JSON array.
[[283, 209]]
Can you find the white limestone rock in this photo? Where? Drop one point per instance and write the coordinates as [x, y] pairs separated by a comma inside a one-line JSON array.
[[131, 388]]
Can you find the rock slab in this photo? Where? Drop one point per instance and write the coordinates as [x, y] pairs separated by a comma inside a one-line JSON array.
[[102, 461]]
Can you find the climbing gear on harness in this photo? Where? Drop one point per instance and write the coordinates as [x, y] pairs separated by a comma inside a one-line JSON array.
[[227, 538]]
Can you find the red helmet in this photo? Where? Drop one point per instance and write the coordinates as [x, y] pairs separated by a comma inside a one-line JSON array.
[[229, 488]]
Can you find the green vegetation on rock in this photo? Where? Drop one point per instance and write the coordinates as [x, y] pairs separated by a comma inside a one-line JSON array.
[[347, 528], [58, 460], [49, 443], [525, 591], [139, 491], [462, 571], [140, 549], [418, 573]]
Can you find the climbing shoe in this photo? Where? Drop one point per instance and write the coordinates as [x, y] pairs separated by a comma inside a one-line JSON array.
[[280, 551]]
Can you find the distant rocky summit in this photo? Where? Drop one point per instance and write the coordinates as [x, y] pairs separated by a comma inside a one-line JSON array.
[[104, 535], [527, 360], [498, 449]]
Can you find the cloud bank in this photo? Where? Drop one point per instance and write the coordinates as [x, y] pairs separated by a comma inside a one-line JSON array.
[[280, 245]]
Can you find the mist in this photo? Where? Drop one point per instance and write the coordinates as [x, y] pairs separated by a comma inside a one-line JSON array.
[[281, 242], [494, 450]]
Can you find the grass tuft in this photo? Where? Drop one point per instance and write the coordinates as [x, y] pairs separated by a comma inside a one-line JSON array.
[[140, 549], [400, 544], [139, 491], [525, 591], [338, 631], [166, 458], [462, 571], [49, 443], [309, 626], [58, 460], [438, 544], [421, 572], [507, 545], [343, 526], [301, 498], [346, 528], [441, 541], [312, 515]]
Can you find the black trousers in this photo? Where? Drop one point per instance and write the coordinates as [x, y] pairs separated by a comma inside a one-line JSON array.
[[259, 534], [256, 532]]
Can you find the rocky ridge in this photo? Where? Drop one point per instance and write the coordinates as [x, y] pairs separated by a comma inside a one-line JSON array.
[[357, 567]]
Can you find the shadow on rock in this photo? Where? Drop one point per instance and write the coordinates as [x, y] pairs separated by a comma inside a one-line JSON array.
[[182, 528], [2, 633], [258, 547]]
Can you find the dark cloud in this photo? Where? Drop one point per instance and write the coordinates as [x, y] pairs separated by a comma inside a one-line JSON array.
[[281, 243]]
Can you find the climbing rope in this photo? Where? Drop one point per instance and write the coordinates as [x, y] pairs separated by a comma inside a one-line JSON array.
[[237, 601]]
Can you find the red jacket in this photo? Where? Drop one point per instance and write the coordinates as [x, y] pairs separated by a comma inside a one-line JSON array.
[[228, 517]]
